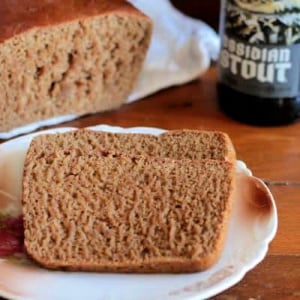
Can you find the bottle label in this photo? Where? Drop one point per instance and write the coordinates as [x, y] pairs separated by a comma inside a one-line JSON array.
[[260, 52]]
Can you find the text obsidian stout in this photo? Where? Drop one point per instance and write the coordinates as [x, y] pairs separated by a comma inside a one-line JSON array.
[[259, 61], [265, 64]]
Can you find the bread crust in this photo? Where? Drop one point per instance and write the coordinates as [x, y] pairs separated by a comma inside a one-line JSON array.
[[19, 16]]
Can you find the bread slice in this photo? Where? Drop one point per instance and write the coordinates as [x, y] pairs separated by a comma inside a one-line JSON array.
[[69, 57], [97, 212], [176, 144]]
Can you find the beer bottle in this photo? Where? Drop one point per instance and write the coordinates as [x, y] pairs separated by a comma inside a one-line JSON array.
[[259, 61]]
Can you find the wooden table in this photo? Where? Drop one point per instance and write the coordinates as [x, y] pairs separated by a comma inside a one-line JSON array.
[[273, 154]]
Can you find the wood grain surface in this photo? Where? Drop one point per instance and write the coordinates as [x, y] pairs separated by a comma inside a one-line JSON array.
[[272, 153]]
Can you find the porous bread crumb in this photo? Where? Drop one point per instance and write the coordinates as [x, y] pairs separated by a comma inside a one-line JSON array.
[[131, 214], [177, 144], [68, 58]]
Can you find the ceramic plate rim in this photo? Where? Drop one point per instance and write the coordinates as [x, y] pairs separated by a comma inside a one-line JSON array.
[[233, 279]]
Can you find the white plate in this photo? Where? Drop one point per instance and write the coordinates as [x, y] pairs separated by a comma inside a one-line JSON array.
[[253, 225]]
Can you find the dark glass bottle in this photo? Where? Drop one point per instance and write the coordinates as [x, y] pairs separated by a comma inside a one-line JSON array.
[[259, 62]]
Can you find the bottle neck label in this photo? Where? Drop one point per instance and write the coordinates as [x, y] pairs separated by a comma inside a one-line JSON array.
[[260, 52]]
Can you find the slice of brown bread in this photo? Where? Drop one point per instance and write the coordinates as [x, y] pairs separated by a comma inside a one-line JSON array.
[[176, 144], [125, 214], [68, 57]]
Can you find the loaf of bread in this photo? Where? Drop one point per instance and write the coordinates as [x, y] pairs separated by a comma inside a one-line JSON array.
[[70, 57], [118, 213], [176, 144]]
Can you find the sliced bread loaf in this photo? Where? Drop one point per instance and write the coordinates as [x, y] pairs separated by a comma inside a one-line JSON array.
[[69, 57], [95, 212], [176, 144]]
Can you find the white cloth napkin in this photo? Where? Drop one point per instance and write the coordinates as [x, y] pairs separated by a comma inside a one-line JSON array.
[[181, 50]]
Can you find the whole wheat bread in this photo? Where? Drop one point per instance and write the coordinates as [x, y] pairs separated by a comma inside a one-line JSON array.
[[176, 144], [99, 212], [69, 57]]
